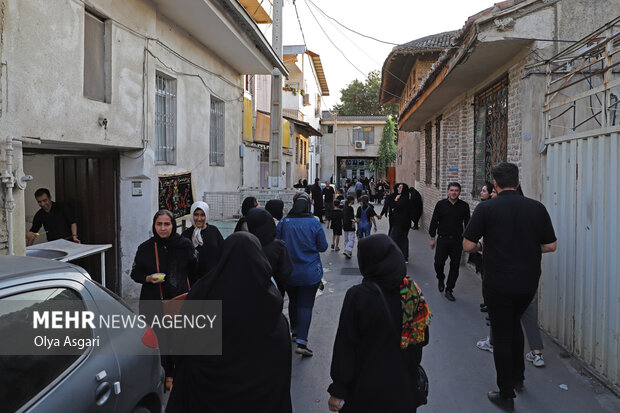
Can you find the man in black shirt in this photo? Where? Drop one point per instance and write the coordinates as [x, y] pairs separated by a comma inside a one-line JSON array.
[[55, 218], [516, 231], [328, 194], [450, 216]]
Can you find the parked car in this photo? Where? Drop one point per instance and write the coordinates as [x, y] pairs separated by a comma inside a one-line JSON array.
[[122, 373]]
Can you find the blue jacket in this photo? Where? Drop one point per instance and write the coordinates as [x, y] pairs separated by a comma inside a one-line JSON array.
[[305, 239]]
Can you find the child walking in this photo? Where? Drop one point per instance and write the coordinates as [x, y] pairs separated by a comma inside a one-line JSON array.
[[336, 225], [348, 226]]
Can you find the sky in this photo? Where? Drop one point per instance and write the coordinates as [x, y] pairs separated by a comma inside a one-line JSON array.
[[395, 21]]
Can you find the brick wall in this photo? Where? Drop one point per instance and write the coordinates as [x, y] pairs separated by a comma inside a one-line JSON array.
[[457, 145]]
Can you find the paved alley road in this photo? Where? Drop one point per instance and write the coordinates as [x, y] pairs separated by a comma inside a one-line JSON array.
[[460, 374]]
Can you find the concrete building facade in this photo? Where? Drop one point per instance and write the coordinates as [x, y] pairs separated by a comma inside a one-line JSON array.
[[123, 94], [350, 145]]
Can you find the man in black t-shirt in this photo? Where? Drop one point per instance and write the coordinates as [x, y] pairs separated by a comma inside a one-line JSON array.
[[450, 217], [328, 195], [57, 219], [517, 231]]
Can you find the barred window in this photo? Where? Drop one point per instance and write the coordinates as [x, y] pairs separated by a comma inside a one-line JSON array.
[[490, 131], [165, 119], [216, 133]]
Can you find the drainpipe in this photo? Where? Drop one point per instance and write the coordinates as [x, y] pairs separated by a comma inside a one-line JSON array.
[[9, 180]]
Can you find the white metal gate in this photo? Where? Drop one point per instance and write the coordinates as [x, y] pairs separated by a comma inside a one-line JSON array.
[[580, 287]]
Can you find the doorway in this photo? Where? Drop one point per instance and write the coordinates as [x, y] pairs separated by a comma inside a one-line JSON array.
[[89, 184]]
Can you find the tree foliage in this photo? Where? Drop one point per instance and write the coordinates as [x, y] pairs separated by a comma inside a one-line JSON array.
[[362, 99], [387, 148]]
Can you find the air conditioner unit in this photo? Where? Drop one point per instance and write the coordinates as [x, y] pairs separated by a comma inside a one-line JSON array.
[[361, 145]]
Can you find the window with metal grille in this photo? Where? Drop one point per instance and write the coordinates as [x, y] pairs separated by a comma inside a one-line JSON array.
[[297, 150], [437, 151], [428, 152], [165, 119], [97, 54], [490, 131], [216, 133]]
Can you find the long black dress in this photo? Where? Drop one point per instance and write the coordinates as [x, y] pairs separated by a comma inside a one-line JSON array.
[[254, 372], [415, 200], [369, 370], [260, 223], [400, 219], [208, 253]]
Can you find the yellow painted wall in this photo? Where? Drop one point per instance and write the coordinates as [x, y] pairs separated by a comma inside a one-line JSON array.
[[286, 133]]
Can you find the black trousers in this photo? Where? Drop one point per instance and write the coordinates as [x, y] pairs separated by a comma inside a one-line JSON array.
[[505, 311], [444, 248], [400, 235]]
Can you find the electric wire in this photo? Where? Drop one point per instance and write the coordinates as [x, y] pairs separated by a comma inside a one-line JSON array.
[[359, 48], [351, 30], [343, 54]]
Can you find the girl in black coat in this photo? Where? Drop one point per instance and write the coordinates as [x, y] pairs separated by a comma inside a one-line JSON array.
[[206, 238], [177, 260], [260, 223], [376, 353], [253, 373]]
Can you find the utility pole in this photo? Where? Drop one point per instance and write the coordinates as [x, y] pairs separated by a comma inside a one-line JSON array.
[[275, 140]]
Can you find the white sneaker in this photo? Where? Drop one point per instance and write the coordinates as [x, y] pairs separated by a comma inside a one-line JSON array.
[[485, 344], [536, 359]]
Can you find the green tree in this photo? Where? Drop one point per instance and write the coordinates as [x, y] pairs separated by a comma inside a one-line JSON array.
[[362, 99], [387, 148]]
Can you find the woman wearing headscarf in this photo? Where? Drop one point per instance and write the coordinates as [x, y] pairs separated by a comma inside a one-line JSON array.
[[168, 253], [276, 209], [247, 204], [260, 223], [382, 329], [400, 218], [305, 240], [253, 373], [206, 238], [415, 201], [317, 199]]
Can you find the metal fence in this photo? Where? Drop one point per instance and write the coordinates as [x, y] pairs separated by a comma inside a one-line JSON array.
[[580, 287], [227, 205]]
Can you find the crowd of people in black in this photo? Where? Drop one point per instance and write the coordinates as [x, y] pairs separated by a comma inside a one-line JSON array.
[[384, 321]]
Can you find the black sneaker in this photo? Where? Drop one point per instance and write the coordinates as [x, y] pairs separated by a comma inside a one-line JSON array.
[[303, 350], [440, 286], [449, 295]]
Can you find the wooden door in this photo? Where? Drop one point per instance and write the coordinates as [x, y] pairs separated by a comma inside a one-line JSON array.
[[89, 185]]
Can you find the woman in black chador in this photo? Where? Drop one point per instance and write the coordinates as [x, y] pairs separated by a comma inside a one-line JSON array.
[[247, 204], [376, 353], [206, 238], [253, 374], [177, 261], [400, 217], [260, 223]]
